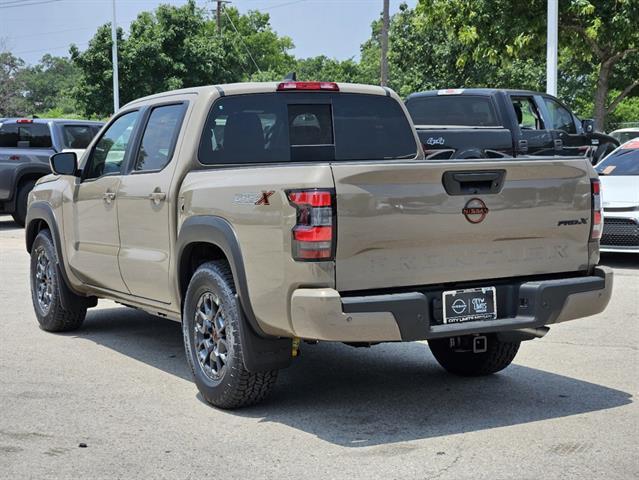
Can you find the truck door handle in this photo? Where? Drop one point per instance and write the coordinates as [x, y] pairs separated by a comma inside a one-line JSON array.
[[108, 197], [465, 183], [157, 196]]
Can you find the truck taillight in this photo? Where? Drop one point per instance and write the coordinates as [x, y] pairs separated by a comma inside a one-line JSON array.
[[314, 231], [597, 211]]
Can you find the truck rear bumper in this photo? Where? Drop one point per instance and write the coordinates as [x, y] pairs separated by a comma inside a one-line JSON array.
[[322, 314]]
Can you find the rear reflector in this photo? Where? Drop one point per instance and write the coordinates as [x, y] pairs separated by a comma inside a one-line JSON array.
[[597, 214], [313, 236], [287, 86]]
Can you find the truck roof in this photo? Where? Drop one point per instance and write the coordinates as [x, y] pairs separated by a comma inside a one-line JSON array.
[[258, 87], [471, 91]]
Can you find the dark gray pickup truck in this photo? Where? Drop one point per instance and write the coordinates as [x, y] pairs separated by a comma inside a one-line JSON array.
[[496, 123], [25, 147]]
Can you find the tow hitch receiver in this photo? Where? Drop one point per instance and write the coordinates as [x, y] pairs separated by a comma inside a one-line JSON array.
[[480, 344]]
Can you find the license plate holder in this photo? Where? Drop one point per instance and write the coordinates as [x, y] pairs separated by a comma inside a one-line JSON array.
[[469, 305]]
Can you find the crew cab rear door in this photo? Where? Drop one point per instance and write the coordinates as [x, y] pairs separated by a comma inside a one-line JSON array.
[[533, 137], [145, 203]]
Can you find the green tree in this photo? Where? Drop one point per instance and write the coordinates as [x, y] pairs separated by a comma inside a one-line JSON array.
[[599, 41], [11, 87], [177, 47], [48, 84], [322, 68]]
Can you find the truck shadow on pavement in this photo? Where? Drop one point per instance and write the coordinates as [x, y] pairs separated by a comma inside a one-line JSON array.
[[7, 223], [369, 396]]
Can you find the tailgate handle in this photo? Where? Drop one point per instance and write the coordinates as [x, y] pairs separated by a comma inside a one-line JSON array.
[[470, 183]]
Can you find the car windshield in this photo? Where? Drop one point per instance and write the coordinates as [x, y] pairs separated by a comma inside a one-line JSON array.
[[621, 162]]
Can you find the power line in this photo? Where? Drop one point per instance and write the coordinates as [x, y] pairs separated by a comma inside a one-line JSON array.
[[293, 2], [25, 4], [242, 40]]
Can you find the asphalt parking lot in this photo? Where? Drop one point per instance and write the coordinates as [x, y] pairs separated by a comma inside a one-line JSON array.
[[566, 408]]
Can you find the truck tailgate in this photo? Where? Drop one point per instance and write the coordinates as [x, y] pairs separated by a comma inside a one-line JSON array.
[[398, 226]]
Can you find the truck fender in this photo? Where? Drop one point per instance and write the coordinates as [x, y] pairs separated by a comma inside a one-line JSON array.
[[37, 170], [42, 212], [261, 352]]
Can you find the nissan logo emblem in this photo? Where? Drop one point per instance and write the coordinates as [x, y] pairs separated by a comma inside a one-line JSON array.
[[475, 210]]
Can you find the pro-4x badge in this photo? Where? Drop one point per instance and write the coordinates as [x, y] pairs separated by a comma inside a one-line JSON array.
[[264, 198], [253, 198]]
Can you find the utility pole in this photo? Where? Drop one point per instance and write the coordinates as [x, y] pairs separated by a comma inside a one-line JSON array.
[[384, 42], [552, 25], [114, 55], [218, 14]]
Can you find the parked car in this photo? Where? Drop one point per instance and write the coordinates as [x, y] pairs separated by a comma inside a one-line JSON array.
[[495, 123], [619, 174], [25, 147], [625, 134], [261, 214]]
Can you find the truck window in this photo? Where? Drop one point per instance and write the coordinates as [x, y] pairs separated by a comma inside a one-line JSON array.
[[31, 135], [265, 128], [371, 127], [158, 141], [108, 154], [466, 110], [9, 136], [560, 117], [77, 136], [528, 117]]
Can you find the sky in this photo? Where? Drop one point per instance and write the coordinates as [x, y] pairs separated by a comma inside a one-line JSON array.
[[335, 28]]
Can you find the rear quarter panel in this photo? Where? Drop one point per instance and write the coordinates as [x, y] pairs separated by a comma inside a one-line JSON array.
[[14, 162], [263, 231]]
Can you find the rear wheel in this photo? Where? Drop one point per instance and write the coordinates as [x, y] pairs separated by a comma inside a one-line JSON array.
[[210, 326], [20, 213], [473, 356], [46, 283]]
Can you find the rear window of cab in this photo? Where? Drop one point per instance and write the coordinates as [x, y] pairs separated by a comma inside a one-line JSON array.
[[467, 110], [25, 135], [302, 127]]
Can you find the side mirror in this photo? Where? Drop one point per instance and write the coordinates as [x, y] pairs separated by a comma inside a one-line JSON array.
[[64, 163], [588, 126]]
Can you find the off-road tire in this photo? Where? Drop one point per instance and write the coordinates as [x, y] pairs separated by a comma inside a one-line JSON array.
[[55, 318], [20, 213], [236, 387], [466, 363]]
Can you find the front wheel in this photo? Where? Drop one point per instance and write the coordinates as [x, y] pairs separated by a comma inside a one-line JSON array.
[[210, 326], [473, 356], [46, 282]]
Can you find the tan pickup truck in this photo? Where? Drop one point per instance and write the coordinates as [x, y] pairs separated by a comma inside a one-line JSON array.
[[261, 215]]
